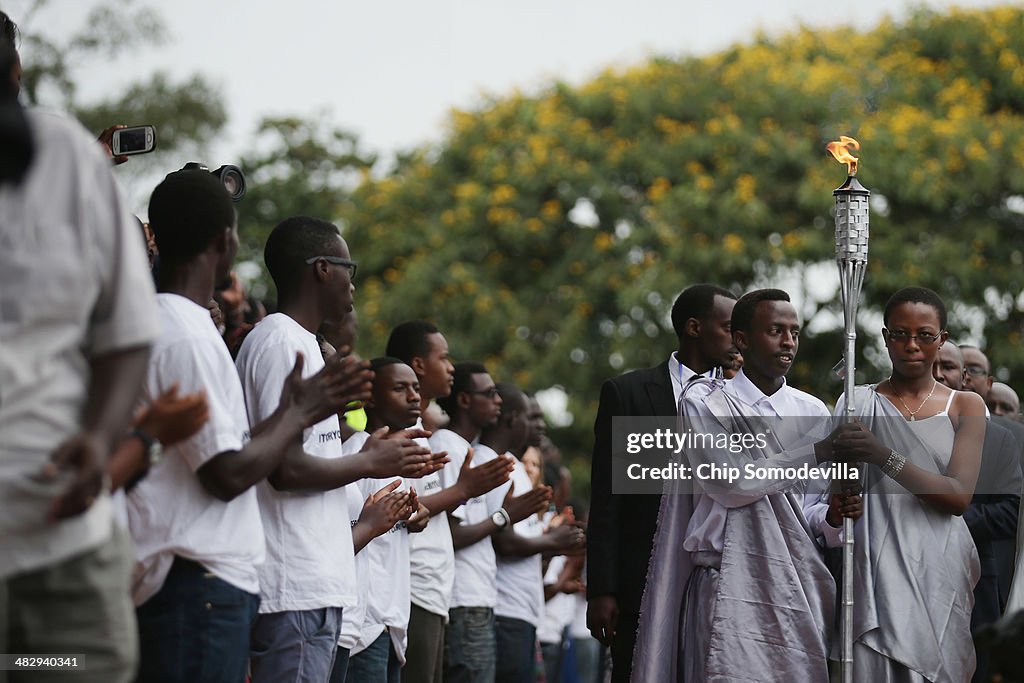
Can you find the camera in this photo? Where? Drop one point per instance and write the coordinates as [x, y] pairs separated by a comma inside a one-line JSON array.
[[229, 174]]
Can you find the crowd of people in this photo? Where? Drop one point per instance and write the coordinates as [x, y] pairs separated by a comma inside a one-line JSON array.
[[273, 507], [199, 486], [738, 581]]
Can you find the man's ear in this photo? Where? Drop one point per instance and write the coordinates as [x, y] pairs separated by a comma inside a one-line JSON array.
[[739, 338], [692, 328], [321, 270], [417, 366], [462, 400], [222, 241]]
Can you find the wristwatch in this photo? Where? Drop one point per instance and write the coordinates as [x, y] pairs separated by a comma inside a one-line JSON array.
[[154, 451], [500, 519]]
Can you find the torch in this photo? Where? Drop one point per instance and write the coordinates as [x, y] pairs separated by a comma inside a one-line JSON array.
[[852, 259]]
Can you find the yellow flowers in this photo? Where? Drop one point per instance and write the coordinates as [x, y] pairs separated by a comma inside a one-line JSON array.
[[658, 189], [732, 243], [746, 186]]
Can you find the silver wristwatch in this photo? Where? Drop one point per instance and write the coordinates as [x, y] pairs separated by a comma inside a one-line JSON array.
[[154, 450], [500, 519]]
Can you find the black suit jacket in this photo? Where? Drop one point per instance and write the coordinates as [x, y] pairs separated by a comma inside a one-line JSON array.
[[992, 517], [621, 527], [1006, 549]]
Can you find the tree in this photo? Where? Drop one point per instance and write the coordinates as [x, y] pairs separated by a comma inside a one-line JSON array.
[[548, 234], [298, 167], [186, 114]]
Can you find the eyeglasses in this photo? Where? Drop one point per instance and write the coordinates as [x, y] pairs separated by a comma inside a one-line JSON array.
[[976, 371], [922, 338], [489, 393], [338, 261]]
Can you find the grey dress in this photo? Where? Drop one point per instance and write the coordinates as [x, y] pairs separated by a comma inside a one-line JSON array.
[[915, 567]]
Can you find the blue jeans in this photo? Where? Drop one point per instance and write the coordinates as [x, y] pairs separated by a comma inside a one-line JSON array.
[[295, 647], [195, 629], [517, 650], [340, 669], [376, 664], [469, 648]]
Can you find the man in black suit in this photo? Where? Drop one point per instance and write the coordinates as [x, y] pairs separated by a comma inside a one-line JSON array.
[[978, 378], [622, 527], [992, 514]]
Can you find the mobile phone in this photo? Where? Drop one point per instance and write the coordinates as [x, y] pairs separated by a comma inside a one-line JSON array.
[[134, 140]]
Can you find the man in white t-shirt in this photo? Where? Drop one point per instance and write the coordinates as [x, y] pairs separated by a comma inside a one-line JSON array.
[[379, 650], [76, 322], [518, 578], [421, 345], [194, 518], [474, 404], [309, 574]]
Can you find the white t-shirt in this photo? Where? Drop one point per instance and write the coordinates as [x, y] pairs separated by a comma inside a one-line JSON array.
[[383, 570], [431, 553], [170, 512], [520, 582], [310, 562], [560, 610], [352, 617], [475, 565], [74, 284]]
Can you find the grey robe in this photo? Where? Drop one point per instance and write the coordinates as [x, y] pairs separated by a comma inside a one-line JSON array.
[[773, 611]]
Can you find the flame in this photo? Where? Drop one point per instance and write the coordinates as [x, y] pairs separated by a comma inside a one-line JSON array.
[[840, 150]]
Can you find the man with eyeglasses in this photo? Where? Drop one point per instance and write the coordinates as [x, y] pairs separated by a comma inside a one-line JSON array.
[[309, 577], [992, 514]]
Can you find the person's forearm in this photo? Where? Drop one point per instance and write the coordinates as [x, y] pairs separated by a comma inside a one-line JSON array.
[[362, 534], [945, 494], [510, 544], [114, 386], [465, 535], [299, 471], [444, 500], [126, 462]]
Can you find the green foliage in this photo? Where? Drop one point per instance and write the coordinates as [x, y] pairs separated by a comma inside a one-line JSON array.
[[709, 169], [186, 114], [302, 167]]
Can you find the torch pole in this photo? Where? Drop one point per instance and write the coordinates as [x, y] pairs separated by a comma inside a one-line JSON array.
[[851, 256]]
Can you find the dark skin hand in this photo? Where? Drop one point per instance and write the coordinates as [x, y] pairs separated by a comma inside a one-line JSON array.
[[381, 511], [842, 505], [106, 139], [603, 617], [472, 482], [168, 419]]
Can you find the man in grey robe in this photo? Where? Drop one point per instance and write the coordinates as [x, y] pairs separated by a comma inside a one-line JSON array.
[[737, 559]]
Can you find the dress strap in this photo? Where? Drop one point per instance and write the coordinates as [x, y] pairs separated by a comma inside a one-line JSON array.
[[949, 401]]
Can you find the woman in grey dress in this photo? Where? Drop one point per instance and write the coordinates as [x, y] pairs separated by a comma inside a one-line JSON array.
[[916, 564]]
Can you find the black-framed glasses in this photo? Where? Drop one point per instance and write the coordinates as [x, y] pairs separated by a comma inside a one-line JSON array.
[[923, 338], [338, 261], [976, 371], [489, 393]]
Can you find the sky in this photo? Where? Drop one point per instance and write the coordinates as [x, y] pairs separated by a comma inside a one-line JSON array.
[[391, 70]]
